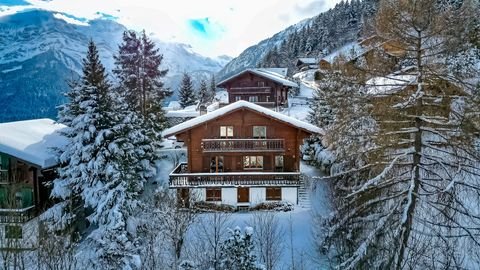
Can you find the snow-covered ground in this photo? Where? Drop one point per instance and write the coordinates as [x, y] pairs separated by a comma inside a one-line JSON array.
[[302, 219]]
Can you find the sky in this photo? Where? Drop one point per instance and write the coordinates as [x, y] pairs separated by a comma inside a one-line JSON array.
[[211, 27]]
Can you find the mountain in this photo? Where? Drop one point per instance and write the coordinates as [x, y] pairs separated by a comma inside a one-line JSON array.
[[253, 55], [40, 51], [314, 37]]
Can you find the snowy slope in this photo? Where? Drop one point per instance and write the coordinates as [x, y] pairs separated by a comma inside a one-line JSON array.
[[40, 50]]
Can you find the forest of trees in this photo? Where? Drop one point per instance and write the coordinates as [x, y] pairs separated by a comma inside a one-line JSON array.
[[328, 31]]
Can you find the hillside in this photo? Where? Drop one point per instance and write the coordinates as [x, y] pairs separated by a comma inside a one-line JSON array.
[[313, 37], [40, 51]]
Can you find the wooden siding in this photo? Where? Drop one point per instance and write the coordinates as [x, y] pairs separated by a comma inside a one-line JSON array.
[[243, 121]]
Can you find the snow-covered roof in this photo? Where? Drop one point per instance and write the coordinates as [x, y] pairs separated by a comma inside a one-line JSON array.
[[235, 106], [389, 84], [269, 73], [305, 60], [349, 50], [32, 140]]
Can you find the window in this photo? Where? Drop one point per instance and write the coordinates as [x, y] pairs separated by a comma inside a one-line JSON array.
[[279, 163], [274, 194], [259, 132], [253, 162], [214, 195], [267, 99], [216, 164], [13, 232], [253, 98], [238, 98], [226, 131], [261, 84]]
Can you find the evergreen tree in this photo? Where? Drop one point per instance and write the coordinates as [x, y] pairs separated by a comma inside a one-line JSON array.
[[203, 95], [213, 87], [138, 70], [100, 165], [186, 92], [237, 251]]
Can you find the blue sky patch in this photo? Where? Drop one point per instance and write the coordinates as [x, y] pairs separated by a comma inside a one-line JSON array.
[[14, 3], [200, 26]]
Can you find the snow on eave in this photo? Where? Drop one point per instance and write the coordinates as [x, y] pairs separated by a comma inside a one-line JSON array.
[[235, 106], [265, 73], [306, 60], [32, 141]]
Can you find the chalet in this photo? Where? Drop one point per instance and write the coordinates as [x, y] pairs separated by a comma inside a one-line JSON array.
[[306, 63], [241, 154], [26, 164], [267, 87]]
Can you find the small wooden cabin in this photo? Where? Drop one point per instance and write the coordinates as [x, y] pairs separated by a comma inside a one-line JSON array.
[[27, 163], [262, 86], [241, 155]]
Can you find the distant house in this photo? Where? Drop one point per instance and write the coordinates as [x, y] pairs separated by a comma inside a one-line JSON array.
[[27, 163], [267, 87], [241, 155], [306, 63]]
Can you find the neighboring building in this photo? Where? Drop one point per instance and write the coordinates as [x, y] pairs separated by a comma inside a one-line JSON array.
[[241, 155], [267, 87], [27, 163], [306, 63]]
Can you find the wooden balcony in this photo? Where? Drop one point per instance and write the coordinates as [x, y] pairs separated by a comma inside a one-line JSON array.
[[247, 90], [181, 178], [243, 145], [17, 215]]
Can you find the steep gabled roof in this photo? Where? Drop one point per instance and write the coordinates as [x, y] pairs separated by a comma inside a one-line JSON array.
[[239, 105], [268, 73], [32, 140]]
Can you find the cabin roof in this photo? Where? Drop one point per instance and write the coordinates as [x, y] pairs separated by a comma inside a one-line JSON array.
[[307, 60], [32, 141], [275, 74], [239, 105]]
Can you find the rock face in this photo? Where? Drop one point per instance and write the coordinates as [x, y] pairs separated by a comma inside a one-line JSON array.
[[39, 53]]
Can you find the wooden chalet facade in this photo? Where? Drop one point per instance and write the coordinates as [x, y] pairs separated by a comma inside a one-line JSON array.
[[25, 166], [241, 155], [267, 87]]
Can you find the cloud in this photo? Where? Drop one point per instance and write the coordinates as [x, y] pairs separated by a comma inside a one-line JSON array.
[[312, 8]]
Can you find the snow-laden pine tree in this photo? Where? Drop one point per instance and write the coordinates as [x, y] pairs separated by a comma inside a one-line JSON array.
[[186, 93], [213, 87], [138, 69], [101, 166], [237, 251], [407, 144], [203, 94]]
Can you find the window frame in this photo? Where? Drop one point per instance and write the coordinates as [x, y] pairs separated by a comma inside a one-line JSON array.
[[259, 137], [252, 162], [13, 232], [253, 99], [215, 197], [227, 131], [273, 194]]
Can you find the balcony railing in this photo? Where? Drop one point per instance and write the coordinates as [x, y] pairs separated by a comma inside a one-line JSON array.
[[180, 178], [244, 145], [17, 215], [251, 90]]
